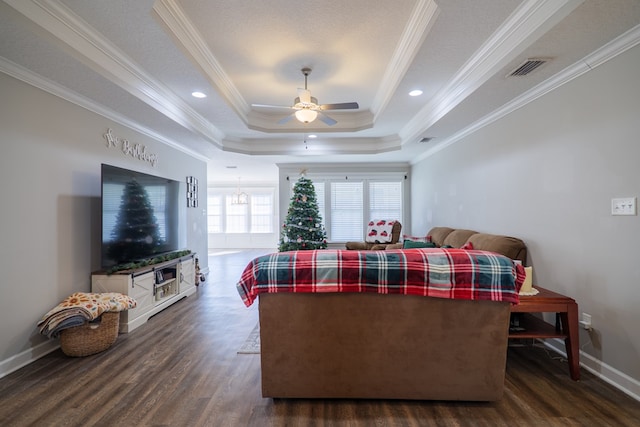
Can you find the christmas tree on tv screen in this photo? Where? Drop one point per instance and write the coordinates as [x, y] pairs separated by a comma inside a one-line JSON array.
[[303, 229], [135, 235]]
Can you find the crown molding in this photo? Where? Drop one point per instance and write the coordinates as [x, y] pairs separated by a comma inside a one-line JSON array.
[[607, 52], [102, 56], [190, 40], [290, 146], [20, 73], [526, 23], [350, 169], [422, 18]]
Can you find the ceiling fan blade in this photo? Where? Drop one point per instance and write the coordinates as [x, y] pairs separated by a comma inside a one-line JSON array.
[[305, 96], [270, 106], [286, 119], [342, 106], [326, 119]]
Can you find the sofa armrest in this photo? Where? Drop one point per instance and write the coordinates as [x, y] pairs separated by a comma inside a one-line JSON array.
[[359, 246], [394, 246], [511, 247]]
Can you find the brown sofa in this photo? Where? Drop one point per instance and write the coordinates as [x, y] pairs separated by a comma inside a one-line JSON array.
[[511, 247], [373, 346]]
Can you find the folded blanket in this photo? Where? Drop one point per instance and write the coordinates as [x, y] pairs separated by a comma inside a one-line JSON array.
[[82, 307], [379, 231]]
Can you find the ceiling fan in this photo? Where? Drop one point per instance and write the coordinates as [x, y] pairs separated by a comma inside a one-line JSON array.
[[307, 108]]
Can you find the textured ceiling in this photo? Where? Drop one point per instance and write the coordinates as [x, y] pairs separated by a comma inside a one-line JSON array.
[[138, 62]]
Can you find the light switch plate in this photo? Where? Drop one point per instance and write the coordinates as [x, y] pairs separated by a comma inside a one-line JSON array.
[[623, 206]]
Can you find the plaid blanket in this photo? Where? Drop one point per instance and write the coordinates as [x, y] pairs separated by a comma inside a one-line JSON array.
[[441, 273]]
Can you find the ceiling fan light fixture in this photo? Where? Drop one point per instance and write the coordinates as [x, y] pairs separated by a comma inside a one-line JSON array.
[[306, 115], [307, 108], [297, 103]]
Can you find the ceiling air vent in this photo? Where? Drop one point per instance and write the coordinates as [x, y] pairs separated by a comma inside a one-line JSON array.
[[426, 139], [528, 66]]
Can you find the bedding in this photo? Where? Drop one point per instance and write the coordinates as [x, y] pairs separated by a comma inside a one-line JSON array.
[[430, 272]]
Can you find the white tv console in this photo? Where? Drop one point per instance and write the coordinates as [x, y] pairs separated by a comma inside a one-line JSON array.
[[154, 287]]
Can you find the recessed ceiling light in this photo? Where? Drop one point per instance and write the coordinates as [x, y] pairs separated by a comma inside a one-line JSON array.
[[312, 136], [415, 92], [198, 95]]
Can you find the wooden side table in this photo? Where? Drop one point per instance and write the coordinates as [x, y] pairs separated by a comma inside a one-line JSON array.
[[566, 326]]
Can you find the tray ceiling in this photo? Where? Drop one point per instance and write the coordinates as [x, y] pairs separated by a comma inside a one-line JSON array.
[[139, 61]]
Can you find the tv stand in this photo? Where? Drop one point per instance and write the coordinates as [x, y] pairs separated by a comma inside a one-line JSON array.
[[154, 287]]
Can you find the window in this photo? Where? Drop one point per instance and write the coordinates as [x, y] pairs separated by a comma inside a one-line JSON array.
[[347, 206], [346, 211], [261, 213], [255, 217], [319, 188], [237, 216], [385, 200], [214, 213]]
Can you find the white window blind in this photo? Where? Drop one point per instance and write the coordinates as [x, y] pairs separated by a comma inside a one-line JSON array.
[[346, 211], [385, 200], [319, 188], [214, 213], [261, 213], [237, 217]]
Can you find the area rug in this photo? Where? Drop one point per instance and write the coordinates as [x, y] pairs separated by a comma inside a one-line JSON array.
[[252, 343]]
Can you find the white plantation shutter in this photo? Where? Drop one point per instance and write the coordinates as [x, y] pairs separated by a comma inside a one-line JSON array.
[[261, 213], [346, 211], [214, 213], [237, 218], [385, 200], [319, 188]]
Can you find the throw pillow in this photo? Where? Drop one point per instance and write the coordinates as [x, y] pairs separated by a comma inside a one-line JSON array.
[[468, 246], [416, 239], [410, 244]]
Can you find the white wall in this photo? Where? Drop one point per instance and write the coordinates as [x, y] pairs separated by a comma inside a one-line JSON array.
[[546, 173], [50, 156]]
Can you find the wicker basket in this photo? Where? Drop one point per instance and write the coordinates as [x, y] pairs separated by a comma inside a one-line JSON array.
[[90, 338]]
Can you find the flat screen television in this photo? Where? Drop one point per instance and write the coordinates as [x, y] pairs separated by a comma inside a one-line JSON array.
[[140, 216]]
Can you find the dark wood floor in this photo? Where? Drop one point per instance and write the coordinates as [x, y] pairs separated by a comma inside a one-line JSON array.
[[182, 369]]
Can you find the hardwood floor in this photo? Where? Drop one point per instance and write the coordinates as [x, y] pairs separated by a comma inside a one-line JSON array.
[[182, 369]]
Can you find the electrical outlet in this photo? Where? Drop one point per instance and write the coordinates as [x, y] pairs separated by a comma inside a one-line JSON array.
[[586, 321]]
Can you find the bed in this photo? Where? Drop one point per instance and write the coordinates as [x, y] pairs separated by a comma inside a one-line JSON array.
[[427, 324]]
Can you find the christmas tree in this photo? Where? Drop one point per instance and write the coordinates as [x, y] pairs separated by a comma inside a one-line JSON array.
[[303, 229], [136, 231]]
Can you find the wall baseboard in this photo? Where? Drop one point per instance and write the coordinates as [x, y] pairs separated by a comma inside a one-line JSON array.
[[606, 373], [28, 356]]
